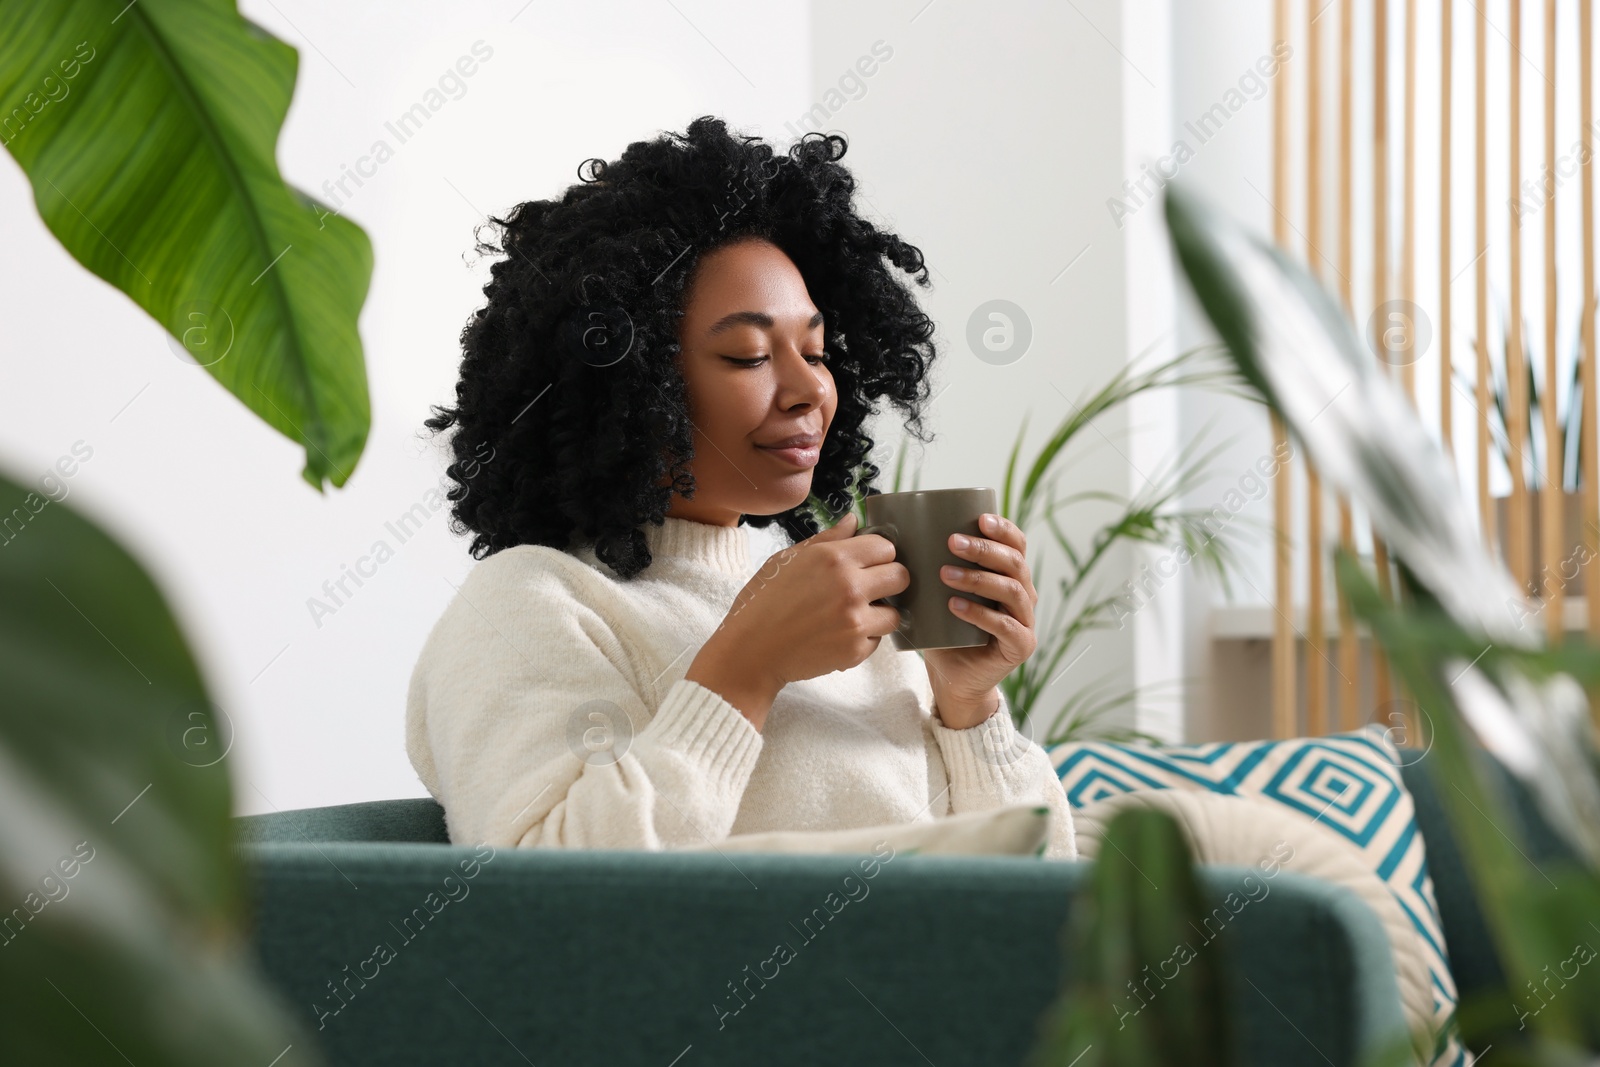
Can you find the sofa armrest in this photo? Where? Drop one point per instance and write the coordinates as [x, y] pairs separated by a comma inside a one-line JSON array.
[[396, 956]]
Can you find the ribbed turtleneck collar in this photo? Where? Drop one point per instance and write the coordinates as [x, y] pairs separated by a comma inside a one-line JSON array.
[[722, 548]]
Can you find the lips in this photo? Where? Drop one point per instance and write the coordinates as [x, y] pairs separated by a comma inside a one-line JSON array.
[[798, 450], [799, 440]]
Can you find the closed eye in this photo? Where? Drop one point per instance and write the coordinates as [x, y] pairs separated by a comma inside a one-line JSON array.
[[814, 360]]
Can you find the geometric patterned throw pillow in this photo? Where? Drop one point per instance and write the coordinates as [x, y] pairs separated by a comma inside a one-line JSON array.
[[1348, 782]]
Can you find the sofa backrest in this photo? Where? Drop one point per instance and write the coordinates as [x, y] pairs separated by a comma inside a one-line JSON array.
[[412, 819], [1473, 959]]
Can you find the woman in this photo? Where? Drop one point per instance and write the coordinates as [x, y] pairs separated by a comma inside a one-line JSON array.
[[685, 344]]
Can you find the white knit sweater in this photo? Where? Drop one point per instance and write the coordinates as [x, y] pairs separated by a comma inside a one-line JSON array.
[[548, 708]]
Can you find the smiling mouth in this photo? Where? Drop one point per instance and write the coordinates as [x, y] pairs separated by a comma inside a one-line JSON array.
[[797, 456]]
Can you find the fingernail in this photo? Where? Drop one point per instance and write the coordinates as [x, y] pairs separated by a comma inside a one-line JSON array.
[[960, 604], [988, 521], [952, 572], [960, 541]]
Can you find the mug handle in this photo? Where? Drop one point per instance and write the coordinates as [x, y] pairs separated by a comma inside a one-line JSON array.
[[888, 530]]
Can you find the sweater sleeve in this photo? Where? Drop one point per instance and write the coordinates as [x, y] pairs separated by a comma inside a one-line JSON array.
[[993, 763], [527, 722]]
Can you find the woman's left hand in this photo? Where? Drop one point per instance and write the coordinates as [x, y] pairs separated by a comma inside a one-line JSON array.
[[964, 680]]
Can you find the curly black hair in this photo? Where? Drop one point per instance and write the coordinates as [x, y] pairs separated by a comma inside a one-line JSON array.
[[570, 408]]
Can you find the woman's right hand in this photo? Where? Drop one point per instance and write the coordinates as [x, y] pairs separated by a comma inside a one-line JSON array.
[[808, 611]]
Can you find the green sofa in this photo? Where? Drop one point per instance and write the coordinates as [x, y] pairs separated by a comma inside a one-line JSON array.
[[629, 957]]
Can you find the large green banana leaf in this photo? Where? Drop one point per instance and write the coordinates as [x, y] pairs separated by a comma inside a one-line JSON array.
[[149, 131], [121, 903]]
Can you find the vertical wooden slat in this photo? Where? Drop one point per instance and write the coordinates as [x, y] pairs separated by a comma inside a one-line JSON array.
[[1316, 635], [1408, 271], [1408, 202], [1316, 657], [1380, 273], [1349, 637], [1283, 643], [1589, 460], [1349, 640], [1551, 525], [1519, 536], [1446, 276], [1408, 266], [1447, 45], [1284, 710], [1486, 511]]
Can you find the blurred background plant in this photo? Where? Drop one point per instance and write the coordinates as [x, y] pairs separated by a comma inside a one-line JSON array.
[[124, 915], [1537, 469], [1143, 897], [1486, 687], [1086, 598], [1569, 414]]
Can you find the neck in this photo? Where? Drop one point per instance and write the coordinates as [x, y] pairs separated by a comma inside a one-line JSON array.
[[709, 514], [721, 547]]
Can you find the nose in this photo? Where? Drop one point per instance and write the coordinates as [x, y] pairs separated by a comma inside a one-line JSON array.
[[801, 384]]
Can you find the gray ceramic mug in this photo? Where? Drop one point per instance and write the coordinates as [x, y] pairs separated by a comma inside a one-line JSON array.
[[919, 525]]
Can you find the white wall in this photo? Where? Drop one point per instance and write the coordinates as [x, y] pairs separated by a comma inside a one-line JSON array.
[[1156, 440], [991, 141], [1215, 44], [206, 495]]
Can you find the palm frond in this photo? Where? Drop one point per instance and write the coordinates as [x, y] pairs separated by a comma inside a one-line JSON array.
[[1189, 367], [1082, 716]]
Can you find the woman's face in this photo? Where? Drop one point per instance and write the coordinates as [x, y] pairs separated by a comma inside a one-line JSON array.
[[754, 369]]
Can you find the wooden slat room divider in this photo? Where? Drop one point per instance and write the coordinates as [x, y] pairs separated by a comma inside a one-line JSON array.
[[1343, 688]]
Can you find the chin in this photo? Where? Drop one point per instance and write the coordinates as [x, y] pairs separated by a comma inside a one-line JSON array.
[[778, 503]]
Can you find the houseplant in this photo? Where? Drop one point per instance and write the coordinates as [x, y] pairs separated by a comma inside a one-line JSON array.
[[149, 133], [1538, 469]]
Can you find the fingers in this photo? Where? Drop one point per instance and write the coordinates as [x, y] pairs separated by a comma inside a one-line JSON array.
[[1016, 642], [840, 530], [1003, 530], [869, 550], [1009, 592], [884, 579], [883, 620], [1004, 550]]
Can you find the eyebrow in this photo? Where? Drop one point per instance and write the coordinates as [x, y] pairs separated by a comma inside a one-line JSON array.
[[753, 318]]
